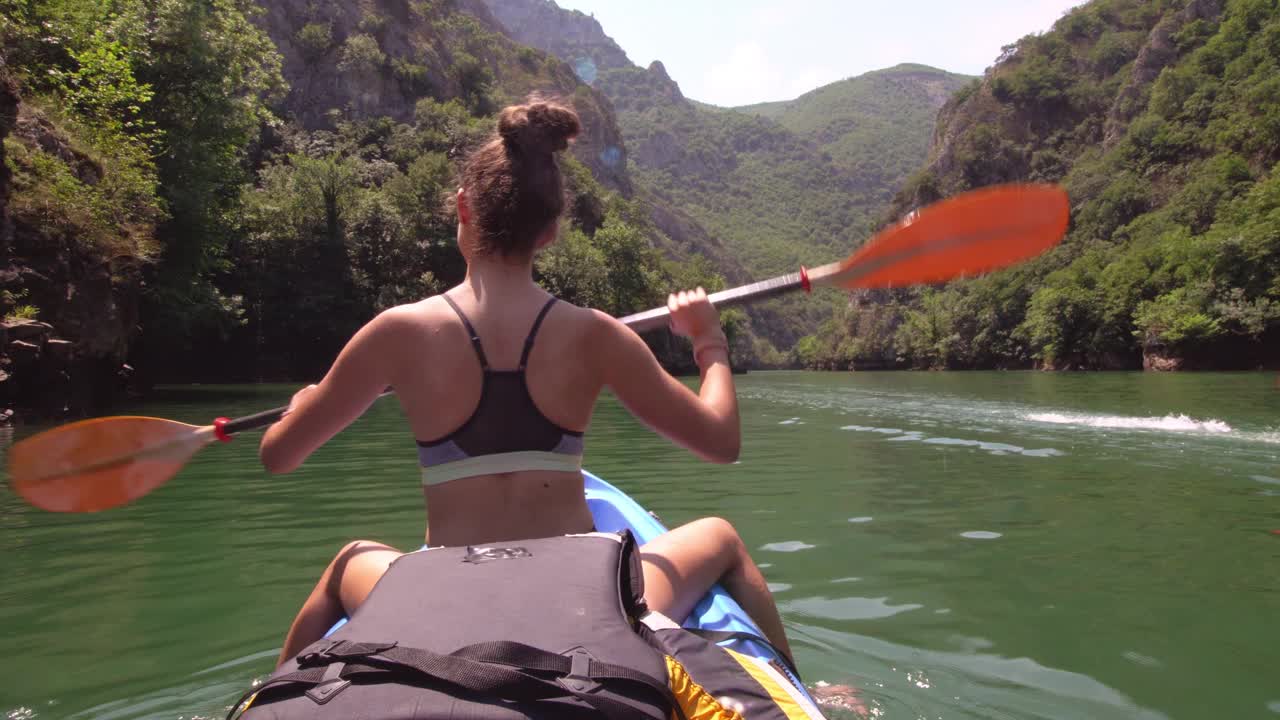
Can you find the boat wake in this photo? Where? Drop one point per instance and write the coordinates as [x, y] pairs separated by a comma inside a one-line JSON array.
[[1172, 423], [995, 448]]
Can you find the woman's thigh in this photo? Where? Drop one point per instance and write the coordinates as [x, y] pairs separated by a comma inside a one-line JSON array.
[[682, 564], [356, 569]]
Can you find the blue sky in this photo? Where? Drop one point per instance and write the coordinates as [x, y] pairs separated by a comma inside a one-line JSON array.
[[734, 52]]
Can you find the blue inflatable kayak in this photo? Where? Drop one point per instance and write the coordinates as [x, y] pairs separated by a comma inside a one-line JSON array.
[[614, 511]]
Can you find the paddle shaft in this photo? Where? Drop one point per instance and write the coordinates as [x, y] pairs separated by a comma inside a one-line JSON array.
[[968, 235], [640, 322], [835, 274], [265, 418], [254, 421], [659, 317], [860, 267]]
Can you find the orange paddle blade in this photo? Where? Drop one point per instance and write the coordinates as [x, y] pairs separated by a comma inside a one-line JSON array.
[[101, 463], [966, 235]]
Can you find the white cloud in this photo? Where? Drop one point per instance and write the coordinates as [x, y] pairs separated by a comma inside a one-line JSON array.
[[744, 76], [748, 74], [1006, 27], [808, 79], [770, 17]]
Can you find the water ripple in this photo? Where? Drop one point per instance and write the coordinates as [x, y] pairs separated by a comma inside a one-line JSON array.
[[969, 684], [787, 546], [846, 608], [995, 448]]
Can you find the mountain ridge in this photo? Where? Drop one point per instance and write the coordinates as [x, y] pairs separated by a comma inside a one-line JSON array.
[[773, 197], [850, 118]]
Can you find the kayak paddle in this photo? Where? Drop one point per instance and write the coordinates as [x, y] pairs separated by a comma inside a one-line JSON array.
[[965, 235], [103, 463]]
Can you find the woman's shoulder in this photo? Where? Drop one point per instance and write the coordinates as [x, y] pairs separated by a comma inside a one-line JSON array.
[[426, 309], [413, 318], [595, 323]]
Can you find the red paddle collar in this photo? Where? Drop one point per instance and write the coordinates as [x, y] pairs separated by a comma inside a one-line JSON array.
[[220, 429]]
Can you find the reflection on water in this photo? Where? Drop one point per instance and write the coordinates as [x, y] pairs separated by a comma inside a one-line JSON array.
[[955, 545]]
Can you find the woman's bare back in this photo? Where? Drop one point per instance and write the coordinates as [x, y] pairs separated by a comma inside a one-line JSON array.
[[438, 379]]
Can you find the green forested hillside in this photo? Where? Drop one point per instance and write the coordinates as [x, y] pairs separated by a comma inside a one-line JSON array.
[[875, 126], [227, 190], [1162, 120], [761, 188]]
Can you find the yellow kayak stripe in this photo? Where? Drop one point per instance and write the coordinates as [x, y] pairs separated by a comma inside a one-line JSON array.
[[784, 696]]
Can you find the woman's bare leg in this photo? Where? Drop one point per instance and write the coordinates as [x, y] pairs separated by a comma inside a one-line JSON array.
[[681, 565], [344, 585]]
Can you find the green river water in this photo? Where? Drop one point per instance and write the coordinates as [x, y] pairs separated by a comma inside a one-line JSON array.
[[957, 545]]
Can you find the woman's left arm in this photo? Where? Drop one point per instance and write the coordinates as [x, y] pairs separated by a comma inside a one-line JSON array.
[[318, 412]]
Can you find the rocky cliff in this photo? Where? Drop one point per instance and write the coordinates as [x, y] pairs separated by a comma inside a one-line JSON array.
[[569, 34], [377, 58], [8, 117], [74, 362], [1161, 121]]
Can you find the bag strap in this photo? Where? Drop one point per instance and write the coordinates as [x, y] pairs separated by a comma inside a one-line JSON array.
[[496, 669]]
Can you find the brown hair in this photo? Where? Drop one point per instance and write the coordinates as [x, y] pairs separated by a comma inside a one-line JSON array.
[[513, 181]]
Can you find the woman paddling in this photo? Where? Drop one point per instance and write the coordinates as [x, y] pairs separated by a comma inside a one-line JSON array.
[[498, 380]]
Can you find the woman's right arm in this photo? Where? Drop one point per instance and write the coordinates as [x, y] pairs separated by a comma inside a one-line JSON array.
[[706, 423], [318, 412]]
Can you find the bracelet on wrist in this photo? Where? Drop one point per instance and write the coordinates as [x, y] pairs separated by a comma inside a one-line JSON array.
[[697, 356], [710, 342]]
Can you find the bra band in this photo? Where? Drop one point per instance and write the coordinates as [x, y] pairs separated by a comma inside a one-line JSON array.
[[506, 432], [499, 464]]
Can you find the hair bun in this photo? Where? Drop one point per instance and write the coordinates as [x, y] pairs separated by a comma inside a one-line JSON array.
[[538, 127]]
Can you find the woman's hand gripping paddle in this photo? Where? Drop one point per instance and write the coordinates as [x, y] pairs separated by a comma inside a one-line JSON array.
[[106, 462]]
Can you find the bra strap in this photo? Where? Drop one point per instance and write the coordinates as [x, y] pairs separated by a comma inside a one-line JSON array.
[[533, 333], [475, 338]]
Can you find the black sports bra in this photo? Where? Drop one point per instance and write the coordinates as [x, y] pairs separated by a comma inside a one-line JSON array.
[[507, 432]]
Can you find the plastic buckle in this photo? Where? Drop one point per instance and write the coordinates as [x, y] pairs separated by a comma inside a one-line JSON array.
[[579, 677], [358, 650], [324, 653], [330, 684]]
